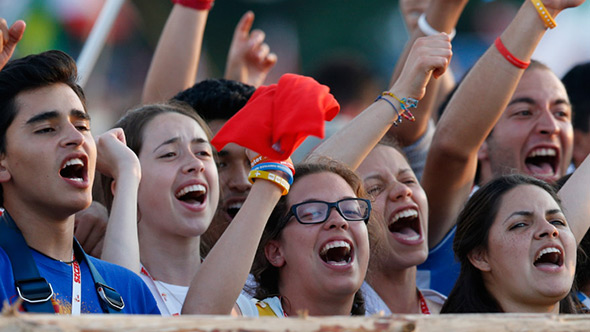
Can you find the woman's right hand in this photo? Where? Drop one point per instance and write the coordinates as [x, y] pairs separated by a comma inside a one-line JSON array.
[[429, 56], [114, 157]]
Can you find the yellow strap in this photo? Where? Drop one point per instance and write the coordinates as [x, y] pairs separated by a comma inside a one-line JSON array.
[[264, 309]]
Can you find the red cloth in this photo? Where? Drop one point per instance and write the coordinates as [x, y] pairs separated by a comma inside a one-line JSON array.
[[278, 117]]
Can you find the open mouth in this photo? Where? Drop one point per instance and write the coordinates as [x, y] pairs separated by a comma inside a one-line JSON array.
[[406, 224], [549, 257], [542, 161], [193, 194], [233, 208], [336, 253], [74, 170]]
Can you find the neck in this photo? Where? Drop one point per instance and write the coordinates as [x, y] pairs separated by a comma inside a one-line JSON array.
[[295, 302], [397, 288], [52, 237], [171, 259]]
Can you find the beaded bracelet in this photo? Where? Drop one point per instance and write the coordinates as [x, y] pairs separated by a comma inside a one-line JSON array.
[[398, 120], [405, 104], [544, 14], [430, 31], [195, 4], [275, 167], [509, 56], [279, 181]]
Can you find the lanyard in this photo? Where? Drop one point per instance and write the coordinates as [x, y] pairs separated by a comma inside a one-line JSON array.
[[162, 293], [423, 305], [76, 288]]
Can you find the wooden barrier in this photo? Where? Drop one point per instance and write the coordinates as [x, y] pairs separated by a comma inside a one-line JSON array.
[[396, 323]]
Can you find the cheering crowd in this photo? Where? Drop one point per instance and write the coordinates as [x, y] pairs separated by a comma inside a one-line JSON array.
[[439, 197]]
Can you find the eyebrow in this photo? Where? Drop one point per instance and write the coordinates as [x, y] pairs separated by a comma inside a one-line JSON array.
[[50, 115], [529, 213], [177, 138], [531, 101]]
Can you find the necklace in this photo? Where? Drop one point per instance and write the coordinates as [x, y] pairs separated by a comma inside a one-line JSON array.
[[159, 286]]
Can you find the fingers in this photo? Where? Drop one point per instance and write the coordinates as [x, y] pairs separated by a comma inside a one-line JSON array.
[[3, 34], [244, 25], [16, 32]]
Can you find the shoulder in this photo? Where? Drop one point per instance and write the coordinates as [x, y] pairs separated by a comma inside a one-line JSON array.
[[137, 296], [373, 302]]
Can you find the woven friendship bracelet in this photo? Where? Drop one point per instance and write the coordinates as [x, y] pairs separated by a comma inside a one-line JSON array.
[[399, 118], [405, 104]]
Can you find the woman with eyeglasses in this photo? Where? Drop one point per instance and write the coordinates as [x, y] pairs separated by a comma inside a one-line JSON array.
[[314, 252]]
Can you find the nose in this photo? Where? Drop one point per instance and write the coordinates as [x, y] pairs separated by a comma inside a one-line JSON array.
[[335, 220], [399, 191], [238, 179], [193, 164], [72, 136], [547, 123], [546, 230]]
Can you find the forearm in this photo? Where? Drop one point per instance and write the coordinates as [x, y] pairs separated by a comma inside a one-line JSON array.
[[575, 195], [469, 117], [121, 245], [175, 62], [353, 143], [215, 288], [441, 16]]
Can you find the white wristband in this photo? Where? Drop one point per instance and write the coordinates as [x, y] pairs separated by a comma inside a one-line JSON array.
[[430, 31]]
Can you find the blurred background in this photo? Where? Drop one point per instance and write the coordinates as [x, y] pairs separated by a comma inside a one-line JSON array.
[[306, 35]]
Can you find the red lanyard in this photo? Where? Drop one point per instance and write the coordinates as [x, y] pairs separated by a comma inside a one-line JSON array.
[[76, 288], [162, 294], [423, 305]]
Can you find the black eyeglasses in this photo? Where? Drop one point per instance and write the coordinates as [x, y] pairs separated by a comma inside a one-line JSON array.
[[315, 212]]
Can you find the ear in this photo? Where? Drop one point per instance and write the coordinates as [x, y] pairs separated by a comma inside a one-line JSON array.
[[113, 188], [482, 153], [4, 173], [274, 254], [479, 258]]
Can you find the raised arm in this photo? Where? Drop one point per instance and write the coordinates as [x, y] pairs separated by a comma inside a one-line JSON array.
[[223, 273], [249, 59], [352, 143], [115, 159], [575, 195], [441, 15], [9, 37], [175, 62], [472, 113]]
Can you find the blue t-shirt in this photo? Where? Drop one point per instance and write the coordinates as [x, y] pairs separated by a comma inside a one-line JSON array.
[[136, 295], [441, 269]]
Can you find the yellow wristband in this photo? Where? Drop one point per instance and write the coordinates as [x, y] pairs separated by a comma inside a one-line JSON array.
[[544, 14], [279, 181]]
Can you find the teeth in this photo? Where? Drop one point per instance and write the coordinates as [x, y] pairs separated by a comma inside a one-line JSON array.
[[548, 251], [405, 214], [235, 205], [334, 244], [191, 188], [541, 152], [72, 162], [77, 179]]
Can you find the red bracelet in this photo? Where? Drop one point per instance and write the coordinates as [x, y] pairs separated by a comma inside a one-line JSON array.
[[195, 4], [509, 56]]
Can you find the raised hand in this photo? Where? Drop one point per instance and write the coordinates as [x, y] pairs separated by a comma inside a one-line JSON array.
[[249, 60], [114, 157], [9, 38], [428, 57]]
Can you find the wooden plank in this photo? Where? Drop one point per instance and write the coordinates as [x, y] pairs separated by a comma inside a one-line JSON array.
[[395, 323]]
